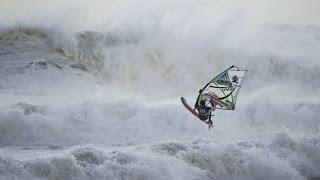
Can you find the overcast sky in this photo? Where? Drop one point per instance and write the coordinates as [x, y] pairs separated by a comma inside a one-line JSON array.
[[303, 12], [299, 12]]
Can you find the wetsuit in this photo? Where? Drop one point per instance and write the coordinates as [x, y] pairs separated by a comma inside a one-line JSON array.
[[204, 112]]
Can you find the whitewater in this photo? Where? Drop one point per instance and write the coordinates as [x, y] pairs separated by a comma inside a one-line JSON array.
[[103, 102]]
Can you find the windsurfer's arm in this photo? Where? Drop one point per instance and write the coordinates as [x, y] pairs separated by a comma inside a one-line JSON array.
[[196, 104]]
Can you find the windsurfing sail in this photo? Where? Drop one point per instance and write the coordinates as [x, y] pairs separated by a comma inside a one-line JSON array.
[[223, 89]]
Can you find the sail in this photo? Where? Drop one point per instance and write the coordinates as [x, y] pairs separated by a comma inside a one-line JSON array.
[[224, 88]]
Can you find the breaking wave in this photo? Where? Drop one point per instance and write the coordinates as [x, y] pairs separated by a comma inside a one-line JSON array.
[[105, 105], [282, 158]]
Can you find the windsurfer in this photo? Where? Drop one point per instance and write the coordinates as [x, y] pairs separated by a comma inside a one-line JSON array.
[[221, 92], [204, 111]]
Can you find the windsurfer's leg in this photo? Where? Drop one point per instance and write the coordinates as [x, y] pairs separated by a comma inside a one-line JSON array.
[[210, 118]]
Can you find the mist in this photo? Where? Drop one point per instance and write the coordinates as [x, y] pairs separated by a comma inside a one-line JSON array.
[[91, 90]]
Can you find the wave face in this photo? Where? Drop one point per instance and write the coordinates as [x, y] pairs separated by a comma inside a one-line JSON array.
[[105, 104]]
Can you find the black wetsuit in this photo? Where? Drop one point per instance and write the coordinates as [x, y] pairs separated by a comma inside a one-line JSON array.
[[204, 112]]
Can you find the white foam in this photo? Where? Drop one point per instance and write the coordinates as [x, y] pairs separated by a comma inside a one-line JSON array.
[[92, 105]]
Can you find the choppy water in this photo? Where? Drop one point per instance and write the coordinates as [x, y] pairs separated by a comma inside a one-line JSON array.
[[106, 104]]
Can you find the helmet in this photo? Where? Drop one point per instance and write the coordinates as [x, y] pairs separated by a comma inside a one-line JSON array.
[[203, 102]]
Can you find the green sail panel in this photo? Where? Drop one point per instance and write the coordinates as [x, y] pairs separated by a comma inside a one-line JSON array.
[[225, 87]]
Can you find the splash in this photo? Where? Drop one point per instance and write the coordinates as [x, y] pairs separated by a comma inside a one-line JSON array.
[[93, 102]]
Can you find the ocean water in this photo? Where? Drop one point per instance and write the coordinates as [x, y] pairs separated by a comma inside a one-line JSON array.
[[103, 102]]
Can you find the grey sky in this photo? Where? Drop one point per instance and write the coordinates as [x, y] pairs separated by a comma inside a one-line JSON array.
[[302, 12]]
